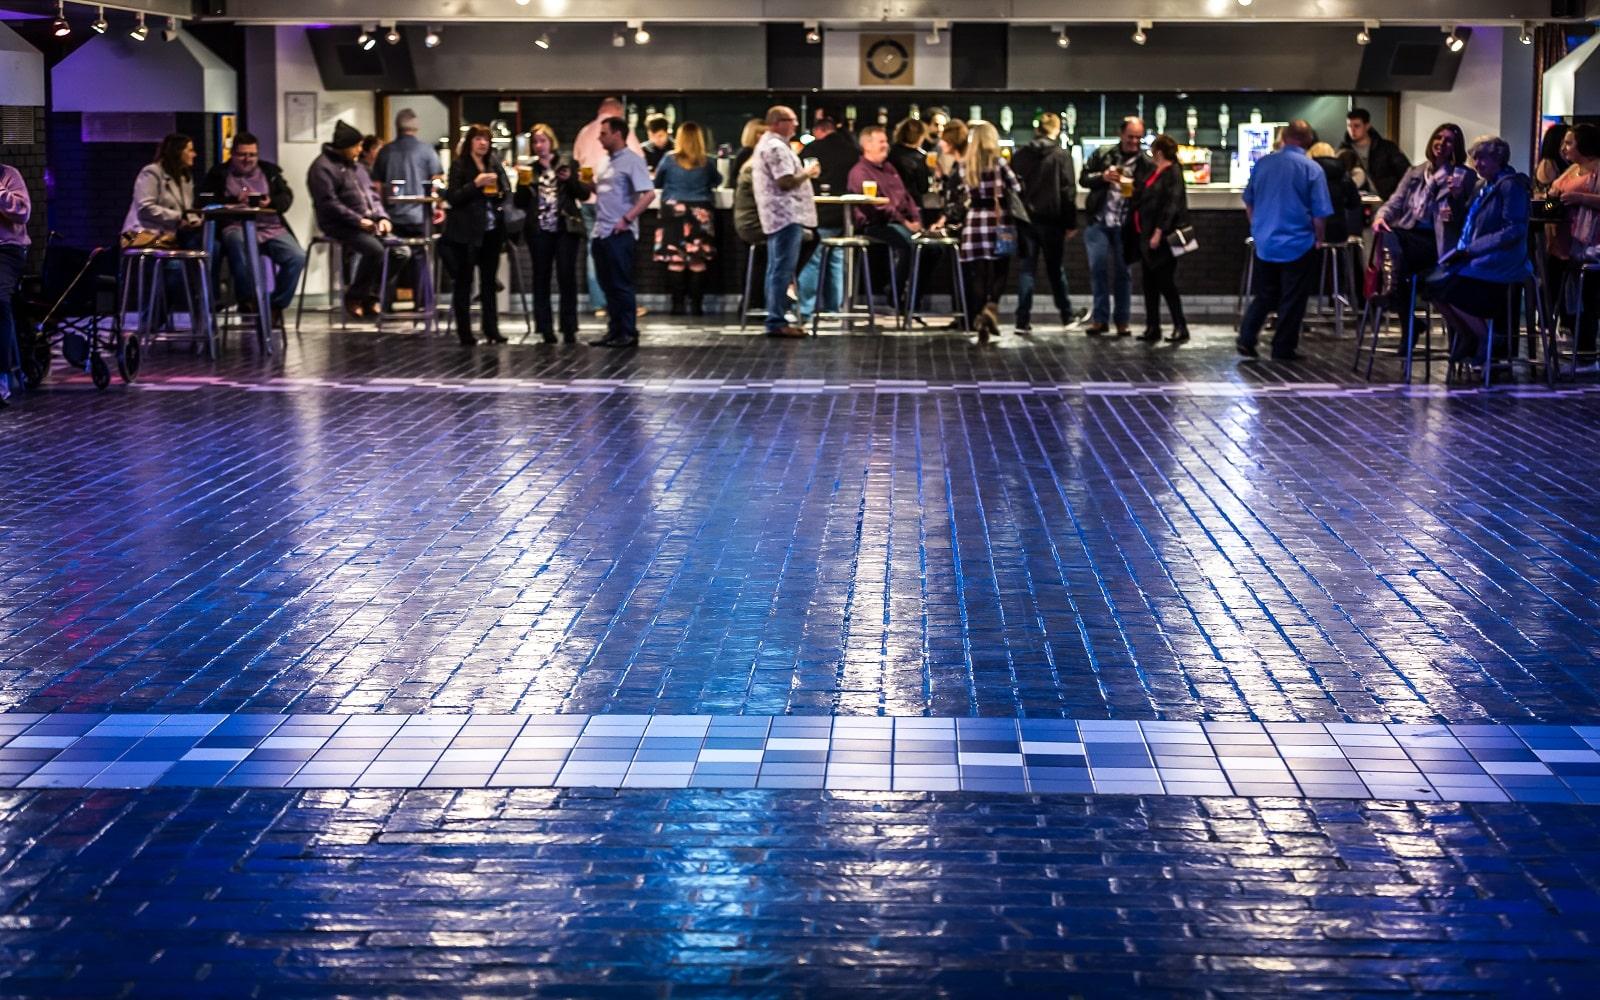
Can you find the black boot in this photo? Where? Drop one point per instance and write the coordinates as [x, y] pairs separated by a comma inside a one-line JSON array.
[[697, 293], [676, 282]]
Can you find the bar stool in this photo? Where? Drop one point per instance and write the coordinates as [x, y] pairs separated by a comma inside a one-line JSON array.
[[1375, 317], [142, 275], [1518, 310], [858, 247], [1338, 261], [336, 280], [745, 312], [424, 305], [958, 288], [1247, 282], [1586, 273]]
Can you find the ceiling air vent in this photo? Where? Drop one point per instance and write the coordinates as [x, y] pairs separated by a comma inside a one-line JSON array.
[[16, 127]]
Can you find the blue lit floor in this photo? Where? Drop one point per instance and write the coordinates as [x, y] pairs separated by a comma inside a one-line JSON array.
[[729, 667]]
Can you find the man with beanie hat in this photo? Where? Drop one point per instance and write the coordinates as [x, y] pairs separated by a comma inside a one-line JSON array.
[[349, 211]]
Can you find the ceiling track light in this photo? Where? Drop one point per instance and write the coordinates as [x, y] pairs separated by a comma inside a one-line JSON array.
[[1141, 32], [140, 31], [933, 32], [392, 36], [431, 39], [1526, 35], [523, 3], [543, 41], [1245, 3], [1062, 41], [1364, 35], [100, 25], [1453, 40], [641, 34], [813, 33], [368, 37], [618, 39], [59, 27]]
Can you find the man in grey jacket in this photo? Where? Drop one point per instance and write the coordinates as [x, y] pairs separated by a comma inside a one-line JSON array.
[[349, 211]]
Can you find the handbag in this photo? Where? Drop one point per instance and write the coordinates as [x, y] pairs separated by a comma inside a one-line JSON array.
[[1182, 240], [144, 239], [1005, 232]]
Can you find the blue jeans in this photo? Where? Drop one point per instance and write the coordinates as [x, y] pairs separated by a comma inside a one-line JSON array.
[[613, 266], [1108, 274], [285, 255], [11, 261], [597, 293], [806, 283], [783, 256]]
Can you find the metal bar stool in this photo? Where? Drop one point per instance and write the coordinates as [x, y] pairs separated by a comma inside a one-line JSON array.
[[745, 296], [424, 312], [1375, 317], [143, 277], [858, 247], [1522, 306], [1586, 273], [950, 246], [336, 281], [1337, 267], [1247, 282]]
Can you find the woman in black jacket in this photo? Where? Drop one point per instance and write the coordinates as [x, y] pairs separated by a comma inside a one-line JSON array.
[[550, 195], [474, 231], [1160, 207]]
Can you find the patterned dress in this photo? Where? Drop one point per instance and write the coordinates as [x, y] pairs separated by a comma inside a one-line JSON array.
[[983, 207], [687, 232]]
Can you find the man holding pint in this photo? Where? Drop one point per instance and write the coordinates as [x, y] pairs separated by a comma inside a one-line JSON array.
[[1110, 176]]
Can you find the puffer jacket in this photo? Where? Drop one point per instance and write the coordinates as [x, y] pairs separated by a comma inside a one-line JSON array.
[[339, 195]]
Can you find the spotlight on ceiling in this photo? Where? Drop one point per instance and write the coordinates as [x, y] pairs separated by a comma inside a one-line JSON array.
[[140, 32], [1141, 32], [100, 25], [933, 31], [641, 34], [813, 33], [368, 39], [1364, 36], [392, 36], [1062, 41], [1526, 35], [170, 32], [1245, 3], [523, 3], [59, 27], [543, 41], [618, 39], [431, 39], [1453, 40]]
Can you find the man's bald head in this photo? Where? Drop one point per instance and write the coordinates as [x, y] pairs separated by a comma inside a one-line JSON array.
[[1299, 133]]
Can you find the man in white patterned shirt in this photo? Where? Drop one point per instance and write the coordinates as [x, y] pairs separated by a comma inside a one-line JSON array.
[[784, 201]]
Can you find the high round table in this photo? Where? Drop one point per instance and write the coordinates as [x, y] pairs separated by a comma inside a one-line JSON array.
[[245, 216], [849, 202]]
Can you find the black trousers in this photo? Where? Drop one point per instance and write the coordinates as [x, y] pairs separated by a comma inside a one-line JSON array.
[[369, 251], [985, 279], [559, 251], [613, 268], [1161, 282], [1283, 286], [11, 261], [1047, 239], [462, 261]]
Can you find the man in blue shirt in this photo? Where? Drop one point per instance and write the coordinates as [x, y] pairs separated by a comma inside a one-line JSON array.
[[1286, 200], [623, 190], [407, 166]]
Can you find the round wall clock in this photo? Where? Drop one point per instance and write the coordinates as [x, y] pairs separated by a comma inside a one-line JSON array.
[[887, 59]]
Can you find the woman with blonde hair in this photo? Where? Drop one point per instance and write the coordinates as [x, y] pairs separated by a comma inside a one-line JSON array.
[[686, 239], [979, 191], [754, 129], [553, 202], [474, 230]]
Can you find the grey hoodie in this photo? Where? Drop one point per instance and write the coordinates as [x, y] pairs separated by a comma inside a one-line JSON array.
[[339, 196]]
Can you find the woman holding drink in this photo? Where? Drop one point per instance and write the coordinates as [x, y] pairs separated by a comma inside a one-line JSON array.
[[550, 191], [474, 231]]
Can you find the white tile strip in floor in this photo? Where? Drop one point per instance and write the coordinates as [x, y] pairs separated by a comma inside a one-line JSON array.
[[1480, 763]]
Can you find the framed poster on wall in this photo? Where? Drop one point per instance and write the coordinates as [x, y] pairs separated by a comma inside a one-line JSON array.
[[300, 116]]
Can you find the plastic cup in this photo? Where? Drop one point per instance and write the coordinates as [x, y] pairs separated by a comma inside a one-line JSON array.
[[524, 175], [1127, 186], [869, 188], [586, 174]]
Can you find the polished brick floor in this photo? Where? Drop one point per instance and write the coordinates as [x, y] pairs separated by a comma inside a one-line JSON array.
[[1144, 549]]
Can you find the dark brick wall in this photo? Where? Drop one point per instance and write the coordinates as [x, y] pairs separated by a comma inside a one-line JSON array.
[[92, 183], [29, 159]]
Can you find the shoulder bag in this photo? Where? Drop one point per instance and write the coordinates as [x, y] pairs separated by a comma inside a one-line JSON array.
[[1005, 228]]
